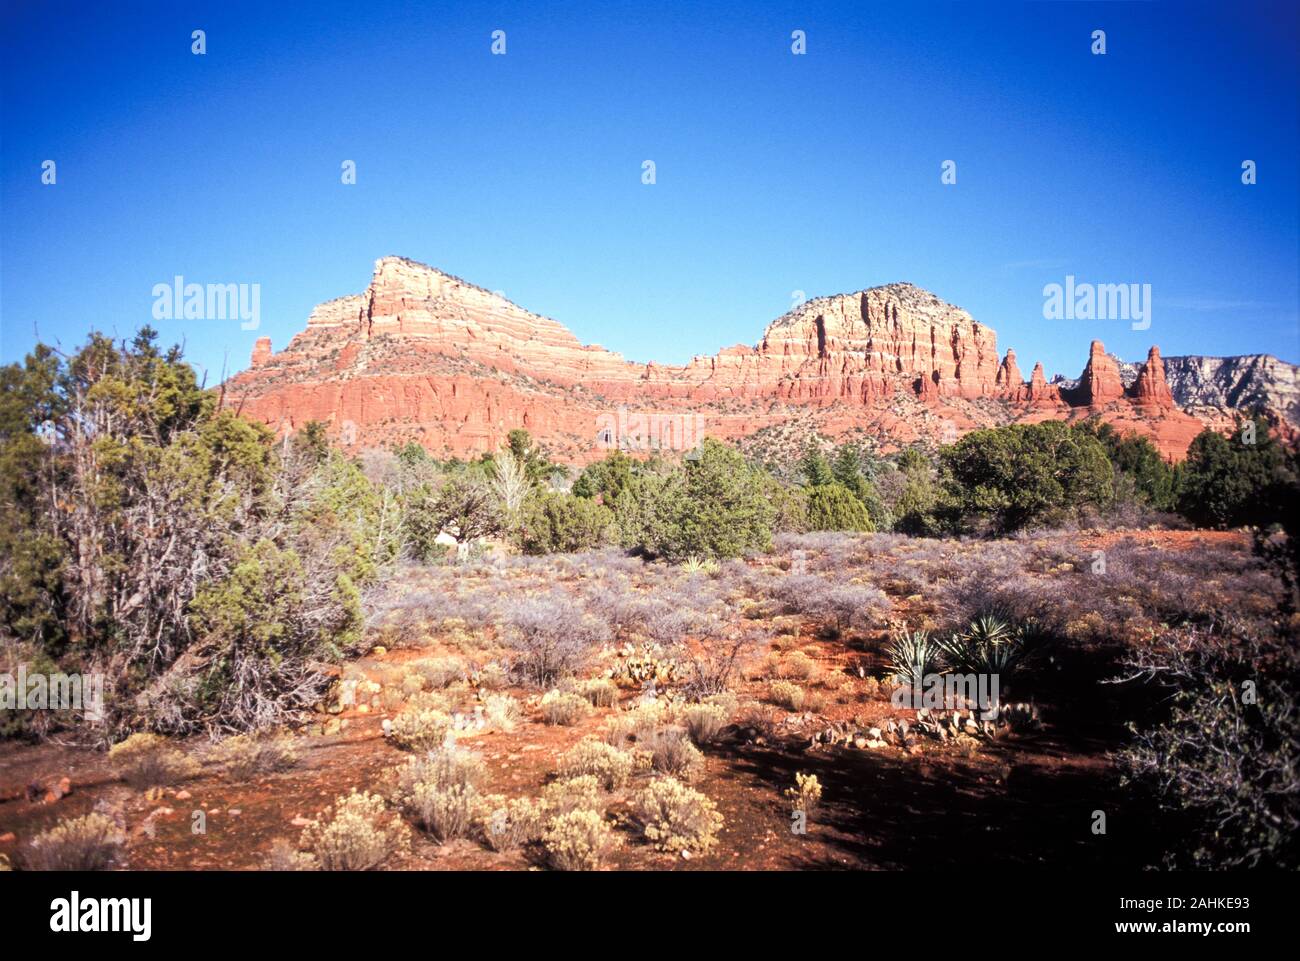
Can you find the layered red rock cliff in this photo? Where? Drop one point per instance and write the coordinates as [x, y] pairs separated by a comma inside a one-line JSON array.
[[422, 355]]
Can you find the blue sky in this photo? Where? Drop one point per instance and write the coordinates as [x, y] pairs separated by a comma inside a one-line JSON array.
[[775, 173]]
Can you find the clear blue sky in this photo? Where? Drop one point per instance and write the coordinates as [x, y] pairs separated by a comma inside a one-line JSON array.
[[775, 172]]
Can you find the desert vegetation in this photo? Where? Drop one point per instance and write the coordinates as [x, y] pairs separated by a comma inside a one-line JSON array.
[[396, 661]]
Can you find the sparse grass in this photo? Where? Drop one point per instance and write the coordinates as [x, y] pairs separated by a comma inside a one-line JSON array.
[[147, 760], [248, 755], [672, 753], [440, 672], [814, 702], [283, 856], [619, 730], [704, 722], [796, 666], [601, 691]]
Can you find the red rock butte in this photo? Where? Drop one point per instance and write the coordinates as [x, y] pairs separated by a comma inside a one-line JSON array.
[[424, 356]]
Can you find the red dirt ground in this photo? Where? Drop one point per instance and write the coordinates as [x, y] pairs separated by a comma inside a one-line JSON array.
[[1019, 800]]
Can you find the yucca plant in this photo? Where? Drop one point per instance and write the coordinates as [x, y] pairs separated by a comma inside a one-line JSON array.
[[699, 565], [911, 655], [990, 646]]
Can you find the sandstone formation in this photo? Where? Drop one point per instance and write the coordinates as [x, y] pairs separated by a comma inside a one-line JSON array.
[[1009, 381], [859, 346], [1040, 393], [422, 355], [1100, 383], [1151, 389], [1220, 386], [261, 352]]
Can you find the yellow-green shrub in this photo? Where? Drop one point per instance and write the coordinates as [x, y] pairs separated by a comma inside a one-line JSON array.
[[90, 843], [580, 793], [356, 834], [508, 824], [600, 691], [440, 791], [787, 695], [610, 766], [676, 817], [421, 728], [797, 665], [501, 712], [580, 840], [564, 709]]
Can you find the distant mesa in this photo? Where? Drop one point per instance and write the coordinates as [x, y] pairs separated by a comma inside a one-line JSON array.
[[424, 356]]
